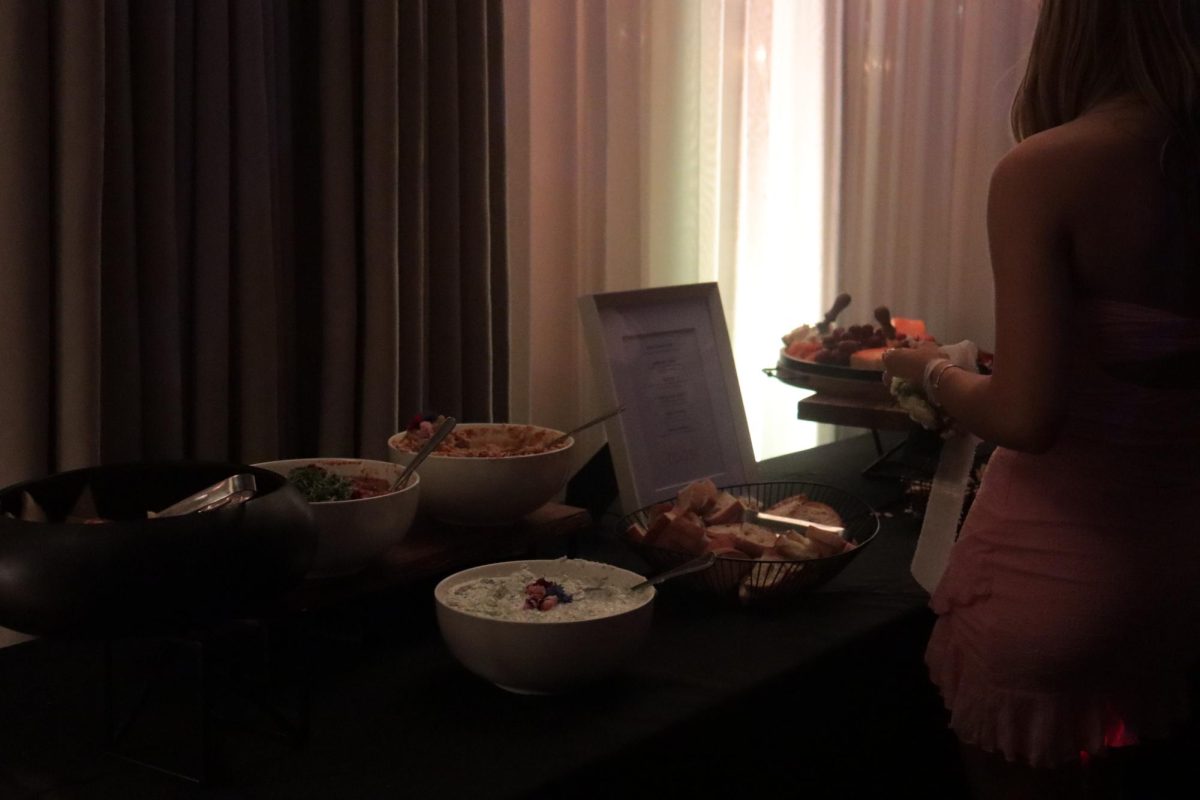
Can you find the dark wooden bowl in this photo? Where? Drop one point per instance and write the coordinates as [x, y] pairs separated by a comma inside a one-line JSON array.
[[133, 575]]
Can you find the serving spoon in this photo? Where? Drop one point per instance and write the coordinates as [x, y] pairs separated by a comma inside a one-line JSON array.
[[585, 426], [686, 568], [434, 440]]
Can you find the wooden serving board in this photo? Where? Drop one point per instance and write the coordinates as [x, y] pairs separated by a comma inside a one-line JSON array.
[[878, 415], [830, 379]]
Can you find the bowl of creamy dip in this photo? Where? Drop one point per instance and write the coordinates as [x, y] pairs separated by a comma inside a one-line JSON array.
[[543, 626]]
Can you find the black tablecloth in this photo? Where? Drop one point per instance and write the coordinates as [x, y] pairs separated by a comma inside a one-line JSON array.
[[826, 692]]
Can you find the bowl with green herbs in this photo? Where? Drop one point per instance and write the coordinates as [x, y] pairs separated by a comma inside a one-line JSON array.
[[359, 510]]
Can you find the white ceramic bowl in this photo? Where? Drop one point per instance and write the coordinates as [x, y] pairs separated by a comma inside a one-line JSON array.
[[542, 656], [477, 490], [353, 533]]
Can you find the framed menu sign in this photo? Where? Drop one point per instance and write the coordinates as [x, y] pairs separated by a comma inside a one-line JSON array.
[[664, 354]]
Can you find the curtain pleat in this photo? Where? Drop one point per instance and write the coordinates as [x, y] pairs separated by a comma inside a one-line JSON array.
[[340, 324], [412, 237], [497, 232], [76, 219], [473, 210], [246, 229], [210, 305], [26, 329], [121, 385], [446, 322], [378, 375], [256, 319], [152, 60], [279, 123]]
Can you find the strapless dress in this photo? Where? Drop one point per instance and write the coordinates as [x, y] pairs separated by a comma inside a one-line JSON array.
[[1069, 612]]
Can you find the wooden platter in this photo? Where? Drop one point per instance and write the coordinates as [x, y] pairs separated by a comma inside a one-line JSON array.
[[832, 379]]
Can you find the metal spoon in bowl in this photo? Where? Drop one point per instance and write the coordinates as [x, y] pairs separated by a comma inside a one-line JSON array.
[[584, 426], [686, 568], [434, 440]]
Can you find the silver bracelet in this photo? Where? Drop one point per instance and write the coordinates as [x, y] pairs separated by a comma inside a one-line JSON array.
[[927, 379], [935, 386]]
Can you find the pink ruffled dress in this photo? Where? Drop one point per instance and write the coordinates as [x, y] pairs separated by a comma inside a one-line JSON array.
[[1069, 614]]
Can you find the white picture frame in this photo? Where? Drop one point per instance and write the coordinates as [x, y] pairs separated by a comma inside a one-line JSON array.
[[664, 354]]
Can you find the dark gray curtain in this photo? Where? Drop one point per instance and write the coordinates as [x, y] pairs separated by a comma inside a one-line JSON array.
[[246, 229]]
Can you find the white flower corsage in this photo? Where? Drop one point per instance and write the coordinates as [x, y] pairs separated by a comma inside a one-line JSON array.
[[914, 402]]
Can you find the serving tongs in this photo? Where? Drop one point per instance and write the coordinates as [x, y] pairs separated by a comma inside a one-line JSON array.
[[779, 523], [229, 492]]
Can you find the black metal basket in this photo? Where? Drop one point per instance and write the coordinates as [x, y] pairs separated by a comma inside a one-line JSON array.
[[752, 581]]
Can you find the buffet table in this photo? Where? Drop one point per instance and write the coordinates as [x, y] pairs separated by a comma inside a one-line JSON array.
[[827, 692]]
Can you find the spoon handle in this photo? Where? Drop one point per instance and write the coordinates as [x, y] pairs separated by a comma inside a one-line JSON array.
[[584, 426], [695, 565], [423, 453]]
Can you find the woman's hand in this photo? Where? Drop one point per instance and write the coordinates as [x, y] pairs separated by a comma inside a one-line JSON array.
[[908, 363]]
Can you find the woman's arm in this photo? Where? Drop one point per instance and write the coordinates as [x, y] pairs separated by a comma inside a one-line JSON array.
[[1022, 404]]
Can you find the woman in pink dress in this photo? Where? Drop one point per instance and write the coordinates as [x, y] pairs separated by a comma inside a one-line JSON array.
[[1069, 615]]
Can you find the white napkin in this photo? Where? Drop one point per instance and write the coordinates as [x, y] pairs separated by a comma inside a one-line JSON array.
[[944, 508]]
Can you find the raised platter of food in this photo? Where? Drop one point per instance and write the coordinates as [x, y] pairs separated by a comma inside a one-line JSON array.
[[846, 360]]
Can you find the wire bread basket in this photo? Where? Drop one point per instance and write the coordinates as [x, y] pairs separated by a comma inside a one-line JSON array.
[[752, 581]]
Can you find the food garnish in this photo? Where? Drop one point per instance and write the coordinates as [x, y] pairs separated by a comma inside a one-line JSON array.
[[543, 595], [320, 486]]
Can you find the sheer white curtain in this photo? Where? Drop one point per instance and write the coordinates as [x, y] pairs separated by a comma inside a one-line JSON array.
[[787, 149], [925, 95], [657, 143]]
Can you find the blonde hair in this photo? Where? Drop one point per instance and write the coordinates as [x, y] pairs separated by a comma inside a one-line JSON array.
[[1085, 51]]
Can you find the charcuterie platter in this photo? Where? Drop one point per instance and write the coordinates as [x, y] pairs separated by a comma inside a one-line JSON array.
[[846, 361]]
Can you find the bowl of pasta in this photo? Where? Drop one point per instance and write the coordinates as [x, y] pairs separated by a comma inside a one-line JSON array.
[[487, 473]]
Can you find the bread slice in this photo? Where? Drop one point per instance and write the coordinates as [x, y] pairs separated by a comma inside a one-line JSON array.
[[724, 510], [797, 546], [685, 534], [660, 520], [828, 544], [800, 507], [697, 496]]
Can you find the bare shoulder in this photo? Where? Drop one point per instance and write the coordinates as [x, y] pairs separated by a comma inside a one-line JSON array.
[[1036, 180], [1089, 172], [1089, 155]]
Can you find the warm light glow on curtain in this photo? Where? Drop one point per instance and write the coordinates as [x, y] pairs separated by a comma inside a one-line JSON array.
[[925, 96], [787, 149], [779, 264], [668, 142]]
